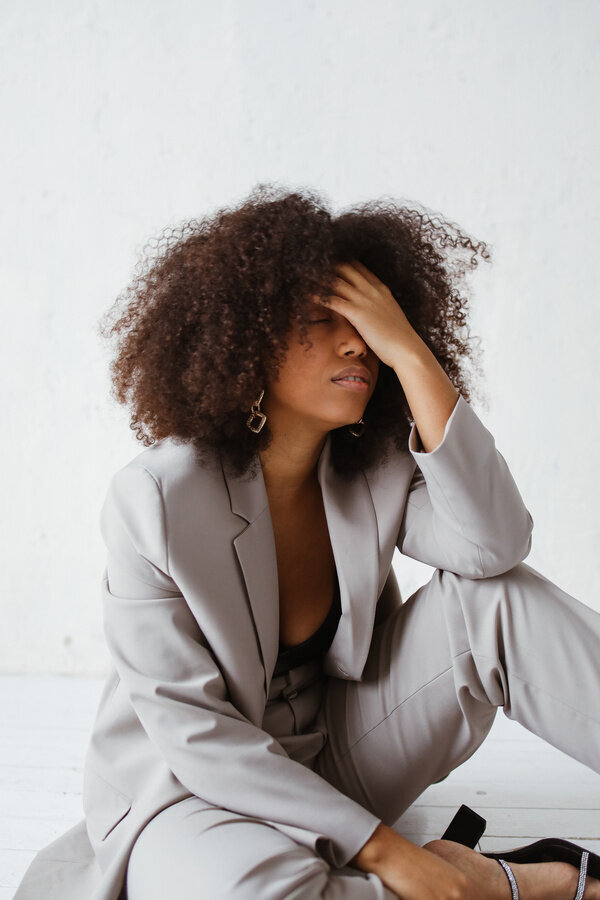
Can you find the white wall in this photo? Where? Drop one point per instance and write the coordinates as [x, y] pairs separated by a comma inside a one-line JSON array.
[[120, 118]]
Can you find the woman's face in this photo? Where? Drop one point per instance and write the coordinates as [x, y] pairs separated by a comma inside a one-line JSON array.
[[313, 389]]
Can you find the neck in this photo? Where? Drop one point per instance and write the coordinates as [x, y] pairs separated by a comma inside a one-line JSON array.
[[289, 464]]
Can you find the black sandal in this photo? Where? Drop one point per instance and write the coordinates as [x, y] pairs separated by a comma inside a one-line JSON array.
[[467, 827]]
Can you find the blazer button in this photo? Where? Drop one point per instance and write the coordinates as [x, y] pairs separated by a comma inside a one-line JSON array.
[[292, 694]]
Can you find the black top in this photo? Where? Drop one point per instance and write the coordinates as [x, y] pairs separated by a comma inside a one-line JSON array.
[[315, 645]]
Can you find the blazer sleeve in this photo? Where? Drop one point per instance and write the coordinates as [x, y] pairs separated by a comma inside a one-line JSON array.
[[180, 697], [464, 512]]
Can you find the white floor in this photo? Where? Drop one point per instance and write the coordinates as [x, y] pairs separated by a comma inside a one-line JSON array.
[[524, 788]]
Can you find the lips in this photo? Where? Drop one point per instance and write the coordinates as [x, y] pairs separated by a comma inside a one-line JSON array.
[[353, 372]]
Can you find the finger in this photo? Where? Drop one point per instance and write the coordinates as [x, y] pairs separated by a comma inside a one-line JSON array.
[[342, 307], [370, 276], [346, 290], [357, 273], [348, 272], [347, 311], [333, 301]]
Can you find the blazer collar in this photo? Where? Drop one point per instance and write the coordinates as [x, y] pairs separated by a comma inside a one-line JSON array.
[[353, 533], [247, 495]]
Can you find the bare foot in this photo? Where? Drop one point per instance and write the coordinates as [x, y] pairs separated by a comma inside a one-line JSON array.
[[536, 881]]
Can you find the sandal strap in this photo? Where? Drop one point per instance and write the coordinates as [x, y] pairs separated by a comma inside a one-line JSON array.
[[585, 856], [513, 881]]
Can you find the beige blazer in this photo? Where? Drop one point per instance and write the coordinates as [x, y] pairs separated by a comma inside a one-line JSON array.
[[191, 616]]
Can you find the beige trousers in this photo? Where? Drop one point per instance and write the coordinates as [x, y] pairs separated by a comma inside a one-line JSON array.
[[437, 671]]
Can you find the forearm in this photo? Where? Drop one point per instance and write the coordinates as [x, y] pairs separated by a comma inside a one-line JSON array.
[[429, 392], [412, 872]]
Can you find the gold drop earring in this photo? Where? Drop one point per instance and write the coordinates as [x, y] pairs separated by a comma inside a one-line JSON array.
[[256, 414], [361, 427]]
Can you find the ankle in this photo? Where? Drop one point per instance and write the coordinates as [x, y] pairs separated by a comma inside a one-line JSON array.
[[545, 881]]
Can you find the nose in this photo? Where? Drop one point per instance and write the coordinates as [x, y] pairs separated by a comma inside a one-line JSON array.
[[350, 342]]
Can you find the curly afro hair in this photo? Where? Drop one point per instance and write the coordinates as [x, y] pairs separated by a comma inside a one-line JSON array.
[[205, 318]]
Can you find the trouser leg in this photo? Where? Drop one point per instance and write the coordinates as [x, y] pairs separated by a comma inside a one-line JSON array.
[[193, 853], [439, 668]]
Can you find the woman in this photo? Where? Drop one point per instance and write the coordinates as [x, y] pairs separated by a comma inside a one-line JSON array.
[[273, 707]]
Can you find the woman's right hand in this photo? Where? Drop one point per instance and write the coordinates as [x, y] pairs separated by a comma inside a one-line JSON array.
[[415, 873]]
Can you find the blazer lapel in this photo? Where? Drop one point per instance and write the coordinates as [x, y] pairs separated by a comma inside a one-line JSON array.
[[354, 539], [353, 533], [255, 548]]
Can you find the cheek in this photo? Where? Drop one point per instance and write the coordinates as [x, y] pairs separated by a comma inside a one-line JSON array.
[[308, 363], [300, 385], [305, 367]]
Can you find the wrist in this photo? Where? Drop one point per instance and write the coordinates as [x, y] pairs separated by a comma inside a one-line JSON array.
[[409, 353], [376, 849]]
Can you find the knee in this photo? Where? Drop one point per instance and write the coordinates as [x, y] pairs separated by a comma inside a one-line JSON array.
[[499, 600], [515, 573], [228, 857], [502, 584]]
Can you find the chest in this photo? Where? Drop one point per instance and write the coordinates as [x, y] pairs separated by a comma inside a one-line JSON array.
[[305, 569]]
